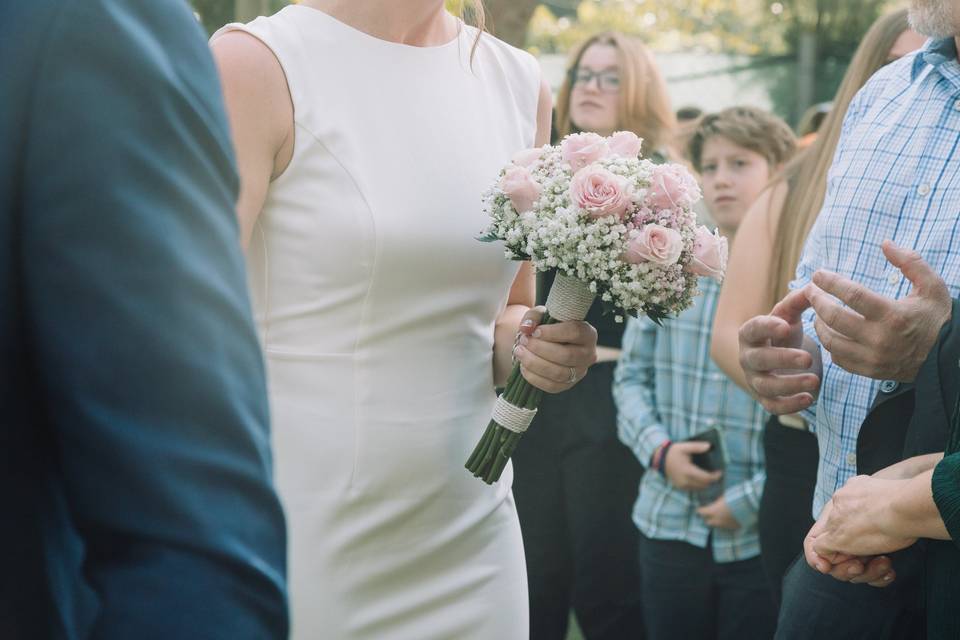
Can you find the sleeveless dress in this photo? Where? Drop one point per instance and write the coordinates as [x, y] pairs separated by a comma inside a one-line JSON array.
[[376, 308]]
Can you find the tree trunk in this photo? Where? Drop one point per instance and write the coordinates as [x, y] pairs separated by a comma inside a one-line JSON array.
[[508, 19], [806, 73]]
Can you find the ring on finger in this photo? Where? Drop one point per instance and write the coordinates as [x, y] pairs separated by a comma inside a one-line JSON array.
[[573, 376]]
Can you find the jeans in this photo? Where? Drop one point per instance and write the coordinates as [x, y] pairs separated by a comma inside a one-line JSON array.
[[816, 606], [687, 595]]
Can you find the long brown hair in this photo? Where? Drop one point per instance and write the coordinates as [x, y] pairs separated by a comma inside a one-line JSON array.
[[473, 12], [644, 102], [806, 175]]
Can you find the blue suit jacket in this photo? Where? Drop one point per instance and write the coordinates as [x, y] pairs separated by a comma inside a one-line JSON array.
[[135, 491]]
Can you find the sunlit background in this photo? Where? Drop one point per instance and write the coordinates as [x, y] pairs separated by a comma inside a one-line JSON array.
[[785, 55]]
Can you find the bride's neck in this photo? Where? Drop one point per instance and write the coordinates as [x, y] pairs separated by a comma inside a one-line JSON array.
[[419, 23]]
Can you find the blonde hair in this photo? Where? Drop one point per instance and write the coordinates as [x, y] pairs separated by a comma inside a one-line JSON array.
[[806, 175], [747, 127], [644, 102]]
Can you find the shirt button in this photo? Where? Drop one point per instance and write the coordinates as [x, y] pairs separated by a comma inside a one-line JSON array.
[[889, 386], [923, 189], [852, 459], [956, 105], [710, 422], [894, 277]]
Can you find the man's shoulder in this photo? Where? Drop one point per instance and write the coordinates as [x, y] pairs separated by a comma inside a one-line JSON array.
[[892, 79]]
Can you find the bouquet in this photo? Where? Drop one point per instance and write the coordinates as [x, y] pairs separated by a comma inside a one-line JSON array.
[[613, 226]]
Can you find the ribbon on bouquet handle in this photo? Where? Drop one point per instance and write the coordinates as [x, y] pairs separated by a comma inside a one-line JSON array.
[[512, 418], [569, 298]]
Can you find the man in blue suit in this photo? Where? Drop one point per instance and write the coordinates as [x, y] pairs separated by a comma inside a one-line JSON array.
[[135, 490]]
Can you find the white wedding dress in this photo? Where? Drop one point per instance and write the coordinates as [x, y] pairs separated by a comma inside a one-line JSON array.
[[376, 308]]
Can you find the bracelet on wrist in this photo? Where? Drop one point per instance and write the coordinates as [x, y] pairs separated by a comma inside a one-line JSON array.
[[660, 457]]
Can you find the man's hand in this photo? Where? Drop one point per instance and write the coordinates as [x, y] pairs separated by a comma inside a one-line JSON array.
[[680, 470], [854, 525], [875, 571], [717, 515], [878, 337], [784, 376]]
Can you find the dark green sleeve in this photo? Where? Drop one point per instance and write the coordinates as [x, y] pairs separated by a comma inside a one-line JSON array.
[[946, 494]]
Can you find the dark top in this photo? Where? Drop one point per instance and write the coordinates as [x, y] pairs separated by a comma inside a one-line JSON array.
[[937, 401], [609, 331], [134, 445]]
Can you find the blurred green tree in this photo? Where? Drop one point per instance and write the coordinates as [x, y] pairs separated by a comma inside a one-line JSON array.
[[823, 33], [216, 13]]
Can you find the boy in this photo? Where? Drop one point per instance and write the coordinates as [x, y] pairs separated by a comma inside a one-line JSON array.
[[699, 551]]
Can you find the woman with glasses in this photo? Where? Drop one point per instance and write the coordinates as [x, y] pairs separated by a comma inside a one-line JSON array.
[[575, 483], [366, 132]]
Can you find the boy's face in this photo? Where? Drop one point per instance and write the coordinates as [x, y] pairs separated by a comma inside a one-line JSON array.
[[733, 177]]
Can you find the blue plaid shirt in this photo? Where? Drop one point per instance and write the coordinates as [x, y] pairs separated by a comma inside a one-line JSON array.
[[667, 387], [896, 175]]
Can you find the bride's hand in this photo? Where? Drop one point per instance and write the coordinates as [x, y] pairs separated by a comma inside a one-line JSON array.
[[555, 357]]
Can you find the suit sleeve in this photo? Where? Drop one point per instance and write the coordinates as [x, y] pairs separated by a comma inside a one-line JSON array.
[[140, 328], [937, 387]]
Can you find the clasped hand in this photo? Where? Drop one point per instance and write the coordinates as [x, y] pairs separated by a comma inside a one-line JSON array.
[[849, 539]]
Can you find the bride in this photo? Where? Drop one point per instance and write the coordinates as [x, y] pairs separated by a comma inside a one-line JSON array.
[[365, 133]]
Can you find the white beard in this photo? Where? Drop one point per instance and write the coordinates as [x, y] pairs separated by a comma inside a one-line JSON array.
[[934, 18]]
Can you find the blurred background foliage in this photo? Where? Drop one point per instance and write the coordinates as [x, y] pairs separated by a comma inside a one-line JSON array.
[[797, 50]]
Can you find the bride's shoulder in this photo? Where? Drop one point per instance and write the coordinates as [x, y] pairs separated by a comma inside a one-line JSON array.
[[504, 53], [248, 65]]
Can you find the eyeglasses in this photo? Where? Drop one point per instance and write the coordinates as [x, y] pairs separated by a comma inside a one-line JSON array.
[[607, 81]]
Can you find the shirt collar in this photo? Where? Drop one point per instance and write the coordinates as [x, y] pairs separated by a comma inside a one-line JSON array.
[[936, 52]]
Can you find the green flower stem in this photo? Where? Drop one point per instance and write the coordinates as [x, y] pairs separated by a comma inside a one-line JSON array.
[[485, 447], [484, 439], [497, 444]]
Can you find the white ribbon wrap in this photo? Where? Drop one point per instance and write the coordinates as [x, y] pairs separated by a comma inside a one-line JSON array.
[[512, 418], [569, 298]]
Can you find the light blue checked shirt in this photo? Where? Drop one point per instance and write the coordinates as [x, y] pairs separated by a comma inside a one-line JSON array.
[[896, 175], [667, 387]]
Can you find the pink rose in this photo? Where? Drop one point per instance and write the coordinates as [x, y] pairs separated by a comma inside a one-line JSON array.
[[600, 192], [580, 149], [520, 187], [709, 254], [527, 157], [672, 186], [624, 143], [656, 244]]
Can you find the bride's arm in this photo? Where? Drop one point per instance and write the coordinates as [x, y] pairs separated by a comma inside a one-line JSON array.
[[523, 290], [556, 356], [261, 119], [520, 300]]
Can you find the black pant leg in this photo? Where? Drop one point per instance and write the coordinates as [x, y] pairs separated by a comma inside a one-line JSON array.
[[538, 492], [745, 610], [601, 484], [601, 478], [785, 516], [678, 592], [816, 606]]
